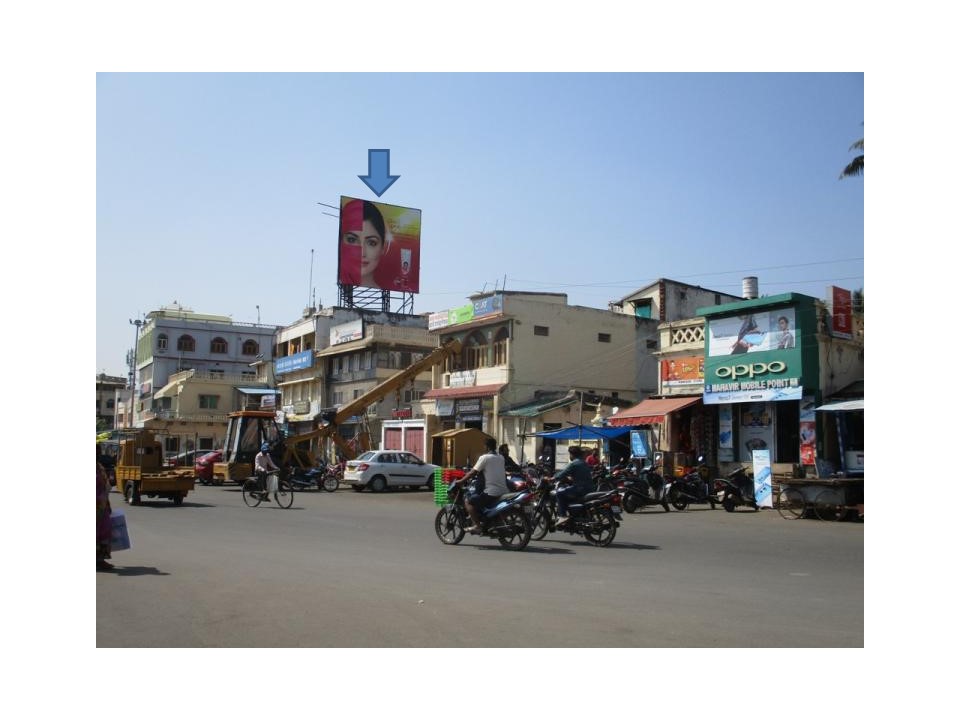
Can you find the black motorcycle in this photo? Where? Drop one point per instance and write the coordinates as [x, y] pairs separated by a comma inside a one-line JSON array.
[[321, 478], [643, 488], [596, 517], [737, 489], [691, 488], [506, 521]]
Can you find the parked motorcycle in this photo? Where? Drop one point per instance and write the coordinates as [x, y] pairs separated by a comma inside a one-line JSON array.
[[737, 489], [691, 488], [313, 477], [596, 517], [506, 521], [644, 488]]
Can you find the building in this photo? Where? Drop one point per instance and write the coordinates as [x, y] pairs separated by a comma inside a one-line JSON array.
[[108, 388], [667, 300], [192, 371], [336, 355], [531, 362]]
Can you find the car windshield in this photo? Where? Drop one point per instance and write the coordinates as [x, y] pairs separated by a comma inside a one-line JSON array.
[[367, 455]]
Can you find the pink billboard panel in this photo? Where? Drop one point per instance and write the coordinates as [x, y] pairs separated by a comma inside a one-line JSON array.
[[379, 245]]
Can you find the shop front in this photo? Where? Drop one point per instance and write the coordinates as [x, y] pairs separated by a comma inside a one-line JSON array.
[[675, 427], [472, 407], [761, 373]]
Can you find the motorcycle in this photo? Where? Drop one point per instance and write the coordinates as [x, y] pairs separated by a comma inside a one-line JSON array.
[[737, 489], [596, 517], [506, 521], [313, 477], [691, 488], [642, 489]]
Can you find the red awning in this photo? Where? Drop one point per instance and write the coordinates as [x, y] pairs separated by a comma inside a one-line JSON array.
[[651, 411], [465, 392]]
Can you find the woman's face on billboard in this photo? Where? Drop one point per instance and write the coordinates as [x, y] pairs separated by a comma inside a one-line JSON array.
[[371, 248]]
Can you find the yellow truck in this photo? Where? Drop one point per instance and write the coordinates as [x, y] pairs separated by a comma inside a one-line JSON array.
[[140, 472]]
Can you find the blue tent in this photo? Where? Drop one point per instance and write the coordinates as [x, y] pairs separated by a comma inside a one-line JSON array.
[[586, 432]]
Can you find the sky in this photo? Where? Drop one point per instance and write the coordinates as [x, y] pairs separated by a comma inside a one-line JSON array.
[[212, 188]]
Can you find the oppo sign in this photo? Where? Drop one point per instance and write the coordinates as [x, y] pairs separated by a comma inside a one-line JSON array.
[[750, 370]]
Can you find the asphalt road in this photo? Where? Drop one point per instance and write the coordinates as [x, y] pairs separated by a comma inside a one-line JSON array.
[[362, 570]]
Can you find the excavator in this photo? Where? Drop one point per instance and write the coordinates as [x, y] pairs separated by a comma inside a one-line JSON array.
[[247, 430]]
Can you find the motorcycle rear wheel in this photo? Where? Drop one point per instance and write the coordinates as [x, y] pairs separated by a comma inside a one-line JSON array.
[[449, 525], [729, 504], [331, 483], [603, 528], [631, 504], [515, 529]]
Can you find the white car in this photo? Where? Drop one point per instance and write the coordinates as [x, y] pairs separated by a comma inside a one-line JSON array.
[[380, 469]]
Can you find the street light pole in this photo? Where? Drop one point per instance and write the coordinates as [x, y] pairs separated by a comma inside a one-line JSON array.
[[133, 368]]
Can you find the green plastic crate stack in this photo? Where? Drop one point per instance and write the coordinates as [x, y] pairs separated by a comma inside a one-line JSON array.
[[439, 488]]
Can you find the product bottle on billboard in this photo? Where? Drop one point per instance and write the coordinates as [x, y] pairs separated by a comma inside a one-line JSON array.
[[379, 245]]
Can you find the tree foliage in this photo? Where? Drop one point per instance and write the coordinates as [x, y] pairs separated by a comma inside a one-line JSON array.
[[855, 167]]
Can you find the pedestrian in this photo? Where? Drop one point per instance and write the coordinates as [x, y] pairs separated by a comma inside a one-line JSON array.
[[103, 517]]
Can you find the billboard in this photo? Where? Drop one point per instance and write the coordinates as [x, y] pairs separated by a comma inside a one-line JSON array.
[[379, 245], [346, 332], [753, 332], [842, 316], [679, 371]]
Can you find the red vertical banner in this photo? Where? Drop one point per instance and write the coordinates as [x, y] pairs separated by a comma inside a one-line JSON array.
[[842, 313]]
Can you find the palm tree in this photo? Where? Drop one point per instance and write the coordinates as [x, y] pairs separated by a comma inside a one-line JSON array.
[[856, 165]]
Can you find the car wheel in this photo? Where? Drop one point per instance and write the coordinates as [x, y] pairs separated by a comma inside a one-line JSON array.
[[378, 484]]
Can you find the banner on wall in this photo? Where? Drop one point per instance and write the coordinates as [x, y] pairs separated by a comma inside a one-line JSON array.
[[681, 371], [808, 431], [725, 434], [762, 478]]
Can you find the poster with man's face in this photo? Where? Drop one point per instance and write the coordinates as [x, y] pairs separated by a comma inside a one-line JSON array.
[[753, 332], [379, 245]]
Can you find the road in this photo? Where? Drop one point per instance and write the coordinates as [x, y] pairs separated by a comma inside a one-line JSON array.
[[350, 569]]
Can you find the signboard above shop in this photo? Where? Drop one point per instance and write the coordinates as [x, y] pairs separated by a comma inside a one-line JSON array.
[[346, 332], [297, 361]]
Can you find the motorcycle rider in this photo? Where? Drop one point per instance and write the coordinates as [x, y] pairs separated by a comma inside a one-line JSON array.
[[492, 467], [579, 472], [262, 465], [509, 464]]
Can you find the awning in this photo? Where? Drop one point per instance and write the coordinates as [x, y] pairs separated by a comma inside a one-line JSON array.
[[257, 391], [586, 432], [651, 411], [470, 391], [169, 390], [845, 405]]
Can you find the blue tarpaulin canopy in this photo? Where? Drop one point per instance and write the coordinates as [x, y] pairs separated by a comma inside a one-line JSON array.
[[587, 432]]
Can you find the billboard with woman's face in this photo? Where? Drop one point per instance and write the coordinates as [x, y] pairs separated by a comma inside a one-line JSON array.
[[379, 246]]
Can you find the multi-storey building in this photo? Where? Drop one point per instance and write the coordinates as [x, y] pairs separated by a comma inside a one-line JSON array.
[[108, 388], [531, 362], [192, 370]]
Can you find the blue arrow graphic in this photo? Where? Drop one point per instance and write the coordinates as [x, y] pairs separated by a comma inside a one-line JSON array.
[[378, 177]]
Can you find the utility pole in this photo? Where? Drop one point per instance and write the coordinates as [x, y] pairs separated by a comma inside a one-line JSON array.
[[133, 368]]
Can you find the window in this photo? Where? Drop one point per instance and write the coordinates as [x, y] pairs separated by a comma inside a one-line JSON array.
[[603, 337], [541, 330], [651, 344], [209, 402], [250, 347], [185, 343], [109, 403], [357, 393], [218, 345], [249, 374], [500, 347], [338, 397], [475, 351], [162, 343], [217, 373], [643, 308], [410, 396]]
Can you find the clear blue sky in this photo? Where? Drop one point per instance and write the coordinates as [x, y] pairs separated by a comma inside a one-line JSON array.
[[591, 184]]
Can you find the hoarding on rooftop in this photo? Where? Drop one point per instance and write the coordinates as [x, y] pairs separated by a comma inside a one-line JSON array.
[[379, 246]]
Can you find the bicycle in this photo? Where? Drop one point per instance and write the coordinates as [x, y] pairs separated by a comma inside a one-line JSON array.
[[254, 494], [790, 504]]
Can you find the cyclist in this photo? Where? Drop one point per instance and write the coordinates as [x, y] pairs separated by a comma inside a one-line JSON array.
[[262, 466]]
